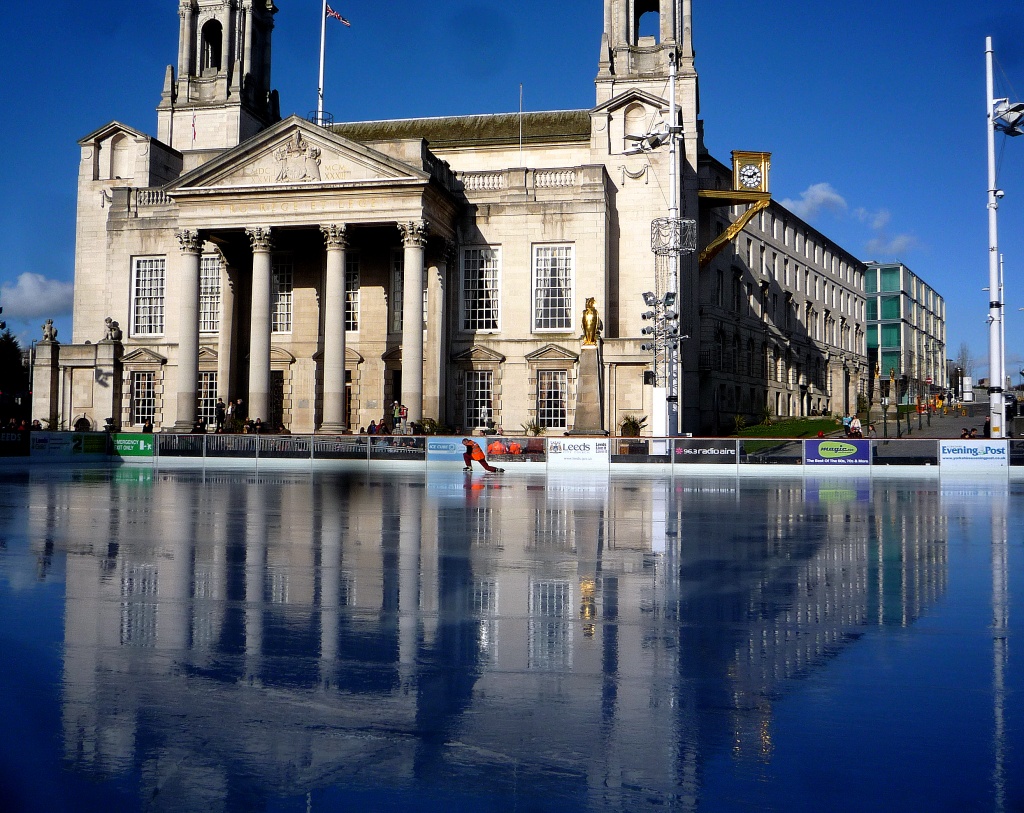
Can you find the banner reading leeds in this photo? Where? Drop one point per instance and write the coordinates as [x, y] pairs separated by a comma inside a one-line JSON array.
[[837, 452], [572, 452]]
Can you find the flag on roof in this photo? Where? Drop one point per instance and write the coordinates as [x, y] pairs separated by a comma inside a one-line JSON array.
[[332, 13]]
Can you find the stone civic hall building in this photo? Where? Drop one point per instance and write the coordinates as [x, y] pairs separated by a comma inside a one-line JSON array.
[[322, 272]]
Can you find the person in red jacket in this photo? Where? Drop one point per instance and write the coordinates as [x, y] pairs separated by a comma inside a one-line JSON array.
[[474, 452]]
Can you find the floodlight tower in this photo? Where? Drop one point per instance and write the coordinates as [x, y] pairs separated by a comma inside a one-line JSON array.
[[1008, 119]]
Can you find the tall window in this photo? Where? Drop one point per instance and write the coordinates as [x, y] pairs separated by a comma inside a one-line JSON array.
[[209, 294], [397, 292], [479, 389], [208, 398], [480, 286], [281, 296], [148, 296], [552, 398], [143, 406], [552, 287], [352, 292]]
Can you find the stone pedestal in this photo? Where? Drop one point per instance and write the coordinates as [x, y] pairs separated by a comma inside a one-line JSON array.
[[46, 384], [589, 394]]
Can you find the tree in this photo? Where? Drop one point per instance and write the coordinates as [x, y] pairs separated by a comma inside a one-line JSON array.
[[14, 380], [964, 360]]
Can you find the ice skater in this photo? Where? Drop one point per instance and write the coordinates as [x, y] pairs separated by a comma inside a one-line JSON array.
[[474, 452]]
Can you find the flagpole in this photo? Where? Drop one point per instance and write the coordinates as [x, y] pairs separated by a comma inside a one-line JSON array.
[[320, 87]]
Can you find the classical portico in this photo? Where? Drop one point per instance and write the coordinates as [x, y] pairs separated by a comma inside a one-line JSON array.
[[312, 194]]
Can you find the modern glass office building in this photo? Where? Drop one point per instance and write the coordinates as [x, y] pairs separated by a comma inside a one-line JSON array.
[[906, 331]]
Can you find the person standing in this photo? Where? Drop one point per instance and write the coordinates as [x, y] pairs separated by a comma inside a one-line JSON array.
[[474, 452], [220, 413]]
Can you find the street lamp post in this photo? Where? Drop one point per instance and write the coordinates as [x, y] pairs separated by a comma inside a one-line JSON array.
[[1007, 118]]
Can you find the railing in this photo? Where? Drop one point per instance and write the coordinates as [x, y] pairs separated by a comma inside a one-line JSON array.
[[484, 181], [824, 456]]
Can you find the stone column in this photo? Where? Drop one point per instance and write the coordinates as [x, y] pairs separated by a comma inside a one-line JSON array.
[[188, 330], [226, 332], [259, 329], [436, 341], [414, 239], [336, 238]]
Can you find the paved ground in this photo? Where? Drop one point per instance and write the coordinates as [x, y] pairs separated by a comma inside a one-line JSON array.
[[940, 425]]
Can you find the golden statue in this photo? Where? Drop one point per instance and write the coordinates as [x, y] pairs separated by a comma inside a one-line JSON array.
[[591, 324]]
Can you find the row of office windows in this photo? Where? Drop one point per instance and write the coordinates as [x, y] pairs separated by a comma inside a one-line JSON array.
[[803, 245], [791, 276], [553, 275]]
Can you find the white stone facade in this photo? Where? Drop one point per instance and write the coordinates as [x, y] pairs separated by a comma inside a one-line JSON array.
[[275, 266]]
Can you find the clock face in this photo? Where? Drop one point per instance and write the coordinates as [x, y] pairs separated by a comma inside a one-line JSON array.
[[750, 176]]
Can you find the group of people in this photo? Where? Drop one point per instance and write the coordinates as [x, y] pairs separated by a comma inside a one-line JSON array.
[[14, 425], [852, 426], [394, 422]]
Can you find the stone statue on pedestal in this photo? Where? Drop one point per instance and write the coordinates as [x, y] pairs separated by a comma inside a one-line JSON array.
[[589, 418], [49, 331]]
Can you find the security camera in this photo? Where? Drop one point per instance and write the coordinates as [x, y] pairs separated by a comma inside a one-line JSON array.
[[999, 193]]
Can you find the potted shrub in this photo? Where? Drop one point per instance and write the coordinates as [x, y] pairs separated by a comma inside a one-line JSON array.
[[632, 425]]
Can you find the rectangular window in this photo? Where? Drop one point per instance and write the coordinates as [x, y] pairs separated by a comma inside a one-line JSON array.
[[890, 279], [552, 287], [398, 292], [208, 398], [480, 288], [209, 294], [143, 407], [479, 385], [552, 398], [890, 307], [281, 296], [352, 292], [148, 296], [873, 337]]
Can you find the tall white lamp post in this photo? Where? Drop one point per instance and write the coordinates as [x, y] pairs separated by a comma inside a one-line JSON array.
[[1006, 118]]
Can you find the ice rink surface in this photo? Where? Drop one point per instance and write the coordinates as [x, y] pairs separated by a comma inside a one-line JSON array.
[[305, 641]]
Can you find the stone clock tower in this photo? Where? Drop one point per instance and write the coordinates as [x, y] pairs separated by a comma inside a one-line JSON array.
[[220, 94]]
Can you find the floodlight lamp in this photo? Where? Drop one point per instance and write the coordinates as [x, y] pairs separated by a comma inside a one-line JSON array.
[[647, 346], [670, 299], [671, 315], [649, 299], [1012, 115], [648, 331], [647, 315]]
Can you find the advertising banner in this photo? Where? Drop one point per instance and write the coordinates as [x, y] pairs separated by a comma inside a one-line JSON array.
[[133, 445], [837, 452], [52, 445], [14, 444], [445, 449], [575, 453], [973, 454], [93, 443], [706, 451]]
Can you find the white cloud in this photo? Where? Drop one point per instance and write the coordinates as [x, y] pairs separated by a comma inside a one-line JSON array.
[[894, 246], [876, 220], [33, 296], [817, 198]]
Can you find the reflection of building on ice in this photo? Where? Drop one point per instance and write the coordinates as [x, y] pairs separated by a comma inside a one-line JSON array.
[[399, 619]]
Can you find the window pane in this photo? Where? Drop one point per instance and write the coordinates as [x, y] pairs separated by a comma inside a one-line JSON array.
[[148, 296], [281, 297], [890, 279], [480, 289], [478, 399], [143, 407], [890, 335], [208, 398], [209, 294], [552, 391], [890, 307], [352, 292], [872, 308], [552, 288], [873, 336]]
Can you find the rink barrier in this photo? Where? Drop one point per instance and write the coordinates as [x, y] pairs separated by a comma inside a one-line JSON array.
[[569, 452]]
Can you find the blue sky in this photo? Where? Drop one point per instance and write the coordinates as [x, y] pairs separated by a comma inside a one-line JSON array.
[[874, 113]]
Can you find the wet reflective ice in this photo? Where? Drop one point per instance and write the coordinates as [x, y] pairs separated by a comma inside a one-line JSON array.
[[231, 641]]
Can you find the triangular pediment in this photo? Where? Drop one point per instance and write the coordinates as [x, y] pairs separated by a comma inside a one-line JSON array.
[[143, 355], [294, 153], [630, 97], [551, 352], [112, 129], [352, 357], [478, 354], [207, 354]]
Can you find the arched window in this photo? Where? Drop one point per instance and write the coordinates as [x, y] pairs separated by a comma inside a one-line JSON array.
[[212, 44]]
